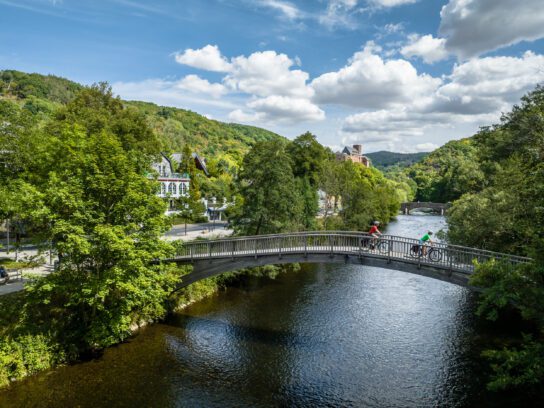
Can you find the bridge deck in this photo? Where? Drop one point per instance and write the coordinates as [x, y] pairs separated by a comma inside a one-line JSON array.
[[314, 244]]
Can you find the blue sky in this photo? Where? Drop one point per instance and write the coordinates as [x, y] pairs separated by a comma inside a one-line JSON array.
[[402, 75]]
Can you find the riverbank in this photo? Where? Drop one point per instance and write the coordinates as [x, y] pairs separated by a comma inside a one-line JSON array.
[[25, 349]]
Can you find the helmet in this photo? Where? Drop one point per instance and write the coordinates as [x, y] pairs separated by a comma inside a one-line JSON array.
[[376, 223], [430, 232]]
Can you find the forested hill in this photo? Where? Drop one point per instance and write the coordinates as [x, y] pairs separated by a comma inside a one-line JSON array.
[[447, 173], [384, 160], [42, 94]]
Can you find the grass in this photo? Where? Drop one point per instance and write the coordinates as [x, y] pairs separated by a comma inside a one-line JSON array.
[[11, 264]]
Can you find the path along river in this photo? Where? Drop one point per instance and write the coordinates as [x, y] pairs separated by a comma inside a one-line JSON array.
[[329, 335]]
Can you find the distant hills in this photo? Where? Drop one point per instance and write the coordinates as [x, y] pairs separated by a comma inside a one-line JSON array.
[[43, 94], [384, 160]]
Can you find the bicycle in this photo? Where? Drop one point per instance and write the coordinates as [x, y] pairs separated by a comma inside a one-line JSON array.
[[434, 254], [371, 243]]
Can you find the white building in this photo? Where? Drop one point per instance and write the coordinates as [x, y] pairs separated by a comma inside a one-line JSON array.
[[172, 185]]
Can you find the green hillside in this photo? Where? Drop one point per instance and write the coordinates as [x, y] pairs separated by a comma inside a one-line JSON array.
[[43, 94], [448, 172], [384, 160]]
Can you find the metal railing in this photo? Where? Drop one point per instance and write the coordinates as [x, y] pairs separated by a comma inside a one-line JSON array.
[[449, 257]]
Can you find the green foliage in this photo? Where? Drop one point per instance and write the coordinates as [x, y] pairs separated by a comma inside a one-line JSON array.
[[522, 288], [177, 128], [448, 172], [364, 193], [268, 199], [82, 184], [308, 158], [385, 161], [517, 367], [50, 87], [507, 214], [26, 355]]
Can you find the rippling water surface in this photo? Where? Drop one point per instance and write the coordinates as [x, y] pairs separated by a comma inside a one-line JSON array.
[[330, 335]]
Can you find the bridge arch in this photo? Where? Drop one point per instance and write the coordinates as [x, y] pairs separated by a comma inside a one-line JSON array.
[[448, 263], [438, 207]]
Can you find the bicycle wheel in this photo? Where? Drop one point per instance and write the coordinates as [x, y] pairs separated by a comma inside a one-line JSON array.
[[383, 246], [435, 255]]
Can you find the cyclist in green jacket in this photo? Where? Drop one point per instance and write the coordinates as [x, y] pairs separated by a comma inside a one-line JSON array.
[[424, 240]]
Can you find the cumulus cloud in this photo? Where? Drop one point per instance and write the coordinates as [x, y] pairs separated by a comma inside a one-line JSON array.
[[489, 84], [370, 82], [195, 84], [427, 47], [474, 27], [267, 73], [208, 58], [475, 94], [278, 109], [278, 93]]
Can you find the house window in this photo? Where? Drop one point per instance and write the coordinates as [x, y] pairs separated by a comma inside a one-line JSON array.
[[174, 189], [183, 187], [163, 188], [170, 188]]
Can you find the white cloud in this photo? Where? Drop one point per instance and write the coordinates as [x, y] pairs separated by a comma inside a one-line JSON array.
[[208, 58], [339, 13], [368, 81], [391, 3], [489, 84], [472, 27], [286, 107], [287, 9], [195, 84], [393, 28], [475, 94], [427, 47], [171, 93], [267, 73], [279, 109]]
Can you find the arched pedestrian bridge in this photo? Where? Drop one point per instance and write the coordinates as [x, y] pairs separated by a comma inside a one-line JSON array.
[[441, 208], [449, 263]]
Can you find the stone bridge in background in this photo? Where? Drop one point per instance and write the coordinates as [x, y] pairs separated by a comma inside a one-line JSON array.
[[454, 264], [438, 207]]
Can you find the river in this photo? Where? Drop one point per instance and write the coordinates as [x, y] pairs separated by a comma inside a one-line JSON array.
[[326, 336]]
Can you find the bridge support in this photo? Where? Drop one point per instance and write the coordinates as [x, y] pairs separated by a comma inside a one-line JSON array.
[[203, 269]]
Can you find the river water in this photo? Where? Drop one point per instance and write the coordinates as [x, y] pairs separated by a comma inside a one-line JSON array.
[[327, 336]]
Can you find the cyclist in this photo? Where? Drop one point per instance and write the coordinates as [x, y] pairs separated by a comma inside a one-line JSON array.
[[423, 242], [375, 233]]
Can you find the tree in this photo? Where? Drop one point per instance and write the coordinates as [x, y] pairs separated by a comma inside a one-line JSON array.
[[103, 215], [308, 158], [269, 201], [506, 214], [190, 205]]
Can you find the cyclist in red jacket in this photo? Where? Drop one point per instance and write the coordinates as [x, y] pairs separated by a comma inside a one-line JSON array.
[[374, 232]]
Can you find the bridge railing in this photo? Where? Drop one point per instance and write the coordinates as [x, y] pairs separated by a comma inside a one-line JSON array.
[[341, 242]]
